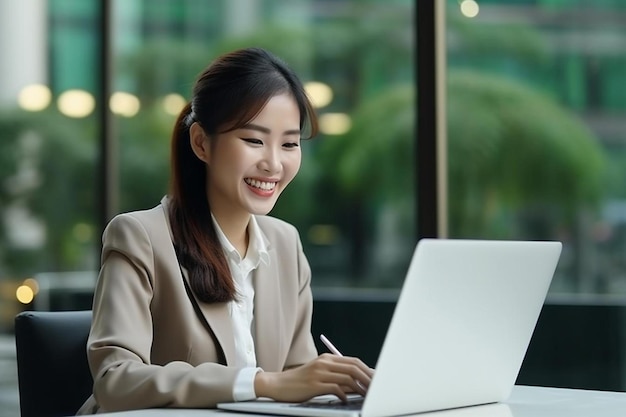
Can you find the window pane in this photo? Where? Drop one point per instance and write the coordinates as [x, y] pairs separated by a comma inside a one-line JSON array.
[[47, 149], [353, 200], [537, 145]]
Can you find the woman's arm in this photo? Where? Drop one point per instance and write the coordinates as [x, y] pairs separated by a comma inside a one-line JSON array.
[[120, 342], [306, 374]]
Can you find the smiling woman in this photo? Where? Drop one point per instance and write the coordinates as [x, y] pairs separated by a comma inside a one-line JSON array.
[[249, 167], [205, 298]]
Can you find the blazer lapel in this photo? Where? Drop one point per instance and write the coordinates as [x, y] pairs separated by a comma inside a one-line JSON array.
[[215, 315], [268, 317]]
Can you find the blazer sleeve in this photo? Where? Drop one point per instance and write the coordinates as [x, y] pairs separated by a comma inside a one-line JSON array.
[[120, 340], [302, 348]]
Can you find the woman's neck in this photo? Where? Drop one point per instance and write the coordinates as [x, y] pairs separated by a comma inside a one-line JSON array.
[[235, 228]]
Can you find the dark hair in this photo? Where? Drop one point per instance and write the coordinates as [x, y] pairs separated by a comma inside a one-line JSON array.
[[227, 95]]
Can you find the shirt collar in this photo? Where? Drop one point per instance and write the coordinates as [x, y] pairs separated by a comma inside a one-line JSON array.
[[257, 247]]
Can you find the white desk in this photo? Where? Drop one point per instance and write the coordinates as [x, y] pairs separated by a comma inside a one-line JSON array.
[[524, 402]]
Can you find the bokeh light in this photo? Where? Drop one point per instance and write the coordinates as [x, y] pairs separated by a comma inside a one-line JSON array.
[[124, 104], [34, 97], [76, 103], [334, 123], [320, 94]]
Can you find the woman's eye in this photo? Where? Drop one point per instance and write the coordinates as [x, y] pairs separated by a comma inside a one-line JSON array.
[[291, 145], [253, 141]]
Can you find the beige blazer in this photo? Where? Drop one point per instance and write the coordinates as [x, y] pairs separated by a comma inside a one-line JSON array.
[[148, 347]]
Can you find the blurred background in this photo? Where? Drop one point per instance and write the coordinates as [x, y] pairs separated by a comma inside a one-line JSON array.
[[535, 102]]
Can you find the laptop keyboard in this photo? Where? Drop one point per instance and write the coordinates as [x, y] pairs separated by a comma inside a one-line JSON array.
[[351, 404]]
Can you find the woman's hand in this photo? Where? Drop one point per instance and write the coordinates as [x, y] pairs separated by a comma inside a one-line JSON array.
[[326, 374]]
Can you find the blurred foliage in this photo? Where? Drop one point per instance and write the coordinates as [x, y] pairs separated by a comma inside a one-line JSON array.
[[160, 67], [374, 159], [511, 146], [518, 41], [48, 171], [144, 164]]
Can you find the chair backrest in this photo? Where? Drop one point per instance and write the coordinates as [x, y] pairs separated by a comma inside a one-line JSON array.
[[52, 369]]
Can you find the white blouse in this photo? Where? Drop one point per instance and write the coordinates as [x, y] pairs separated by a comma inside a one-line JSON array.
[[242, 310]]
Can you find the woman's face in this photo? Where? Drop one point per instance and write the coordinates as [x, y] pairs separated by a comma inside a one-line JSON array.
[[249, 167]]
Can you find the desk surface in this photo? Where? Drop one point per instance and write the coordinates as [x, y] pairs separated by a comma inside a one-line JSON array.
[[524, 402]]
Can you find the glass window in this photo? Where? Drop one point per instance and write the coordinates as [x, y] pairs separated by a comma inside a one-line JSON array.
[[537, 139], [353, 200], [48, 148]]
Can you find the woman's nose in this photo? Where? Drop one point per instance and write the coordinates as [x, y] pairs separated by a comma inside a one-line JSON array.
[[271, 162]]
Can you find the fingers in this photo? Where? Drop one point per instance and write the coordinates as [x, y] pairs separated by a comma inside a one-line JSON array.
[[348, 372], [346, 382], [337, 390], [351, 366], [354, 377], [326, 374]]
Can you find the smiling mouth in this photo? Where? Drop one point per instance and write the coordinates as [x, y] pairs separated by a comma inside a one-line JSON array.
[[261, 185]]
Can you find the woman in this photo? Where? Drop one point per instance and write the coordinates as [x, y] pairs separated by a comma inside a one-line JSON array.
[[204, 298]]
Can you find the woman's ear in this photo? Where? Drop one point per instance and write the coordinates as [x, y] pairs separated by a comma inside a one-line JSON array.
[[199, 142]]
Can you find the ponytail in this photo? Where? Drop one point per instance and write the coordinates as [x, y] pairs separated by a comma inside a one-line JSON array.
[[195, 239]]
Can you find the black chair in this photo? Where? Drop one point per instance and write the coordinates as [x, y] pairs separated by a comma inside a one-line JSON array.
[[52, 369]]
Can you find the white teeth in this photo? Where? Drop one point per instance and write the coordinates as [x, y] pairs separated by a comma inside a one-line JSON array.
[[260, 184]]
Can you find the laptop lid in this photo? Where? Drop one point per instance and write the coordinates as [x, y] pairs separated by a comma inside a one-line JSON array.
[[460, 329]]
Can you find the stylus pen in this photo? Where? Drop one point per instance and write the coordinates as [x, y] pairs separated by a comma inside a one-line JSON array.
[[329, 345], [335, 351]]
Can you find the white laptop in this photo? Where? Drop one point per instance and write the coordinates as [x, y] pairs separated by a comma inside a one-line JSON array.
[[459, 332]]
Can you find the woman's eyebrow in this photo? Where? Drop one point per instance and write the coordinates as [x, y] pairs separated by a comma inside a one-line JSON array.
[[263, 129]]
